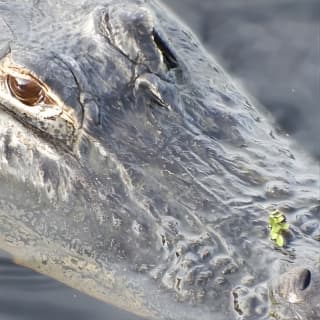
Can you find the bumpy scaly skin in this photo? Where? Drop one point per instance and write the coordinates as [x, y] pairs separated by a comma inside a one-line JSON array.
[[159, 201]]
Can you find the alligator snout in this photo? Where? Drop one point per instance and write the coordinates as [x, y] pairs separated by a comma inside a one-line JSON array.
[[294, 284]]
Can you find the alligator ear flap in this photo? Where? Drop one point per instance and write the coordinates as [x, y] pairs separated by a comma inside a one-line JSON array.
[[130, 30]]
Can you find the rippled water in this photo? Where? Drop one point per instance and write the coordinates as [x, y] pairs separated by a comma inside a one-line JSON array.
[[272, 47]]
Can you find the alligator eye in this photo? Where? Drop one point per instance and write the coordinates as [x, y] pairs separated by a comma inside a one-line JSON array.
[[34, 103], [28, 91]]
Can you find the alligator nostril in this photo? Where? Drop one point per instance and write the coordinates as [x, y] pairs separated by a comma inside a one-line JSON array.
[[304, 279], [293, 285]]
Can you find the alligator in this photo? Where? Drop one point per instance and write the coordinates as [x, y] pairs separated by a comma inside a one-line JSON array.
[[134, 169]]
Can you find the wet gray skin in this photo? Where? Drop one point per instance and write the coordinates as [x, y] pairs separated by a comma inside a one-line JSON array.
[[133, 169]]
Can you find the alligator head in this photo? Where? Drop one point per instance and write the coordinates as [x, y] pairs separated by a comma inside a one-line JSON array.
[[132, 168]]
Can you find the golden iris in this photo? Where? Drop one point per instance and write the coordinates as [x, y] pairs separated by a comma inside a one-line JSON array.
[[28, 91]]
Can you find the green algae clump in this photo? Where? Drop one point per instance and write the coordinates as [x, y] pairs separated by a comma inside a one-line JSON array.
[[278, 227]]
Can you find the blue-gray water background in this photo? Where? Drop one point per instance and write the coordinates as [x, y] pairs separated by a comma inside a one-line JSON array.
[[272, 48]]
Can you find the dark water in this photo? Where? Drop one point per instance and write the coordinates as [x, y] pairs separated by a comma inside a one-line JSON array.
[[272, 47], [26, 295]]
